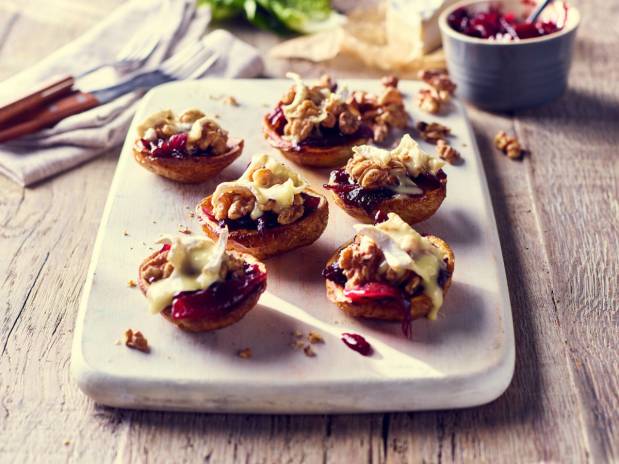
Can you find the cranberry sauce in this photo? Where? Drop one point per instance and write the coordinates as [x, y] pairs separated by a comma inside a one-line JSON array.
[[369, 199], [373, 291], [357, 343], [327, 137], [496, 25], [220, 298], [172, 147], [268, 220]]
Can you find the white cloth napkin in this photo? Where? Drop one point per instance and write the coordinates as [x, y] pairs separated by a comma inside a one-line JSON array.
[[86, 135]]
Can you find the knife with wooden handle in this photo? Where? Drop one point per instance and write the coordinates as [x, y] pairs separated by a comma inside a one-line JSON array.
[[76, 102], [46, 92]]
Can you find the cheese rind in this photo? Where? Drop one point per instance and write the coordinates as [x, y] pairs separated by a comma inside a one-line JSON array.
[[412, 26]]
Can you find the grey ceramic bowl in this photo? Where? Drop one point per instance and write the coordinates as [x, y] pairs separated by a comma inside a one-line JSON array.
[[502, 76]]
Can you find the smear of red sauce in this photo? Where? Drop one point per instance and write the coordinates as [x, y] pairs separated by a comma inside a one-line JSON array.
[[357, 343]]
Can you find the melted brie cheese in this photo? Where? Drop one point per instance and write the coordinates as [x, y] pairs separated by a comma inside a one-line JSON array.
[[412, 157], [197, 264], [282, 193], [405, 249]]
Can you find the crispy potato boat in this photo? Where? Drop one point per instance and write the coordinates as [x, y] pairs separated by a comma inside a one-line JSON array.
[[411, 208], [308, 155], [207, 324], [191, 169], [386, 309], [272, 241]]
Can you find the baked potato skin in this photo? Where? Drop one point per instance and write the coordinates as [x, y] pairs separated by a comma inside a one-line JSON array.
[[232, 317], [190, 170], [388, 310], [273, 241], [319, 157], [412, 209]]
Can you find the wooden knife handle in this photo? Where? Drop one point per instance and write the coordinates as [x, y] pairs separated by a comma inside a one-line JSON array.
[[50, 115], [46, 92]]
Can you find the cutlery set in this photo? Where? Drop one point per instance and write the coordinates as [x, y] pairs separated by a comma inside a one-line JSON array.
[[59, 98]]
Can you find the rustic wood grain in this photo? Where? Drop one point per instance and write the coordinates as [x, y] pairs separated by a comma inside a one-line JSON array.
[[557, 213]]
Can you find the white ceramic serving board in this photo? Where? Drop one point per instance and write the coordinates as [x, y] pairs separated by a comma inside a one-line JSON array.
[[465, 358]]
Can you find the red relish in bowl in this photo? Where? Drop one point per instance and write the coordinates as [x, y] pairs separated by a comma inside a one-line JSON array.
[[494, 24]]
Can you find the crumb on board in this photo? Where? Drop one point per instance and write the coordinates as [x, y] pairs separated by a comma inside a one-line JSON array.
[[245, 353], [230, 100], [184, 229], [315, 337], [136, 341], [131, 283], [191, 214], [309, 351], [118, 342], [125, 233], [66, 443]]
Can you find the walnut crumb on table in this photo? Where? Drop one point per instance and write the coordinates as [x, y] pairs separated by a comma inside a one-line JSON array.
[[136, 341], [508, 145], [184, 229], [245, 353], [131, 283]]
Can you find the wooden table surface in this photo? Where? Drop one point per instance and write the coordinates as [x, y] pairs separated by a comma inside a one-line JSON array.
[[557, 214]]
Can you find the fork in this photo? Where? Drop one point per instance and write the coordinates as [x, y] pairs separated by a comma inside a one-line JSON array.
[[141, 46], [189, 63]]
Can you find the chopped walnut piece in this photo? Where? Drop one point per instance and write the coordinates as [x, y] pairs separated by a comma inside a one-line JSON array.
[[184, 229], [245, 353], [230, 100], [234, 204], [131, 283], [439, 79], [315, 337], [389, 81], [298, 344], [447, 152], [508, 145], [428, 100], [125, 233], [136, 341], [309, 351], [432, 132]]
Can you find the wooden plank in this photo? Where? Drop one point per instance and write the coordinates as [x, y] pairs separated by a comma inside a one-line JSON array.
[[574, 179]]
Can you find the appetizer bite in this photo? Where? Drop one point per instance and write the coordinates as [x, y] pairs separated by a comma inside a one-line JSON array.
[[196, 284], [318, 125], [269, 210], [390, 272], [404, 180], [190, 148]]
